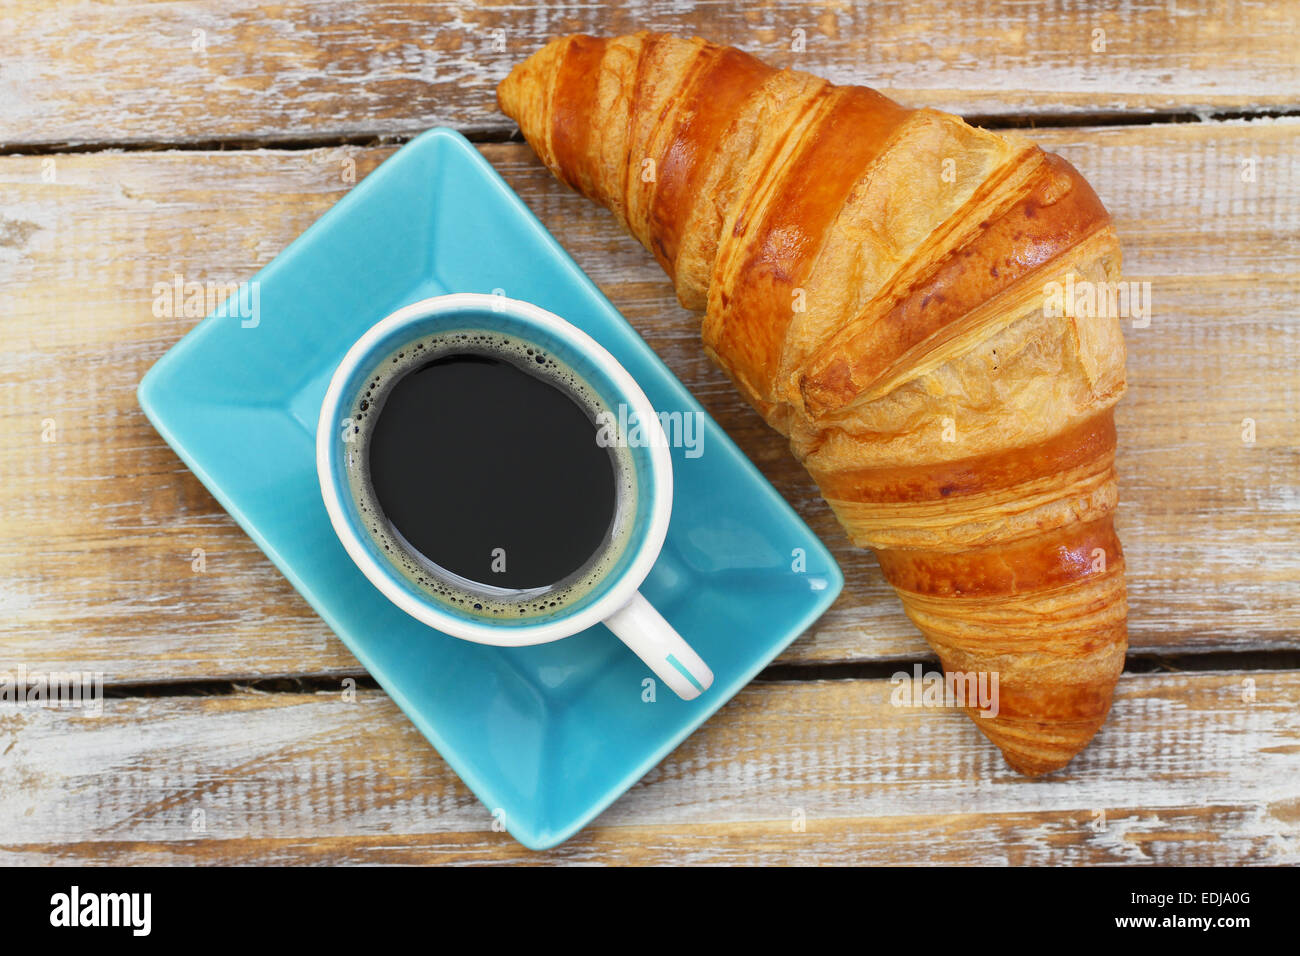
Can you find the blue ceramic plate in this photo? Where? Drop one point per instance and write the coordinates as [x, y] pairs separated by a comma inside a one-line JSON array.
[[553, 734]]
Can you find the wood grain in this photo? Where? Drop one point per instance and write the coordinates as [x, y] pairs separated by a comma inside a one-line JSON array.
[[225, 70], [1188, 769], [99, 521], [97, 528]]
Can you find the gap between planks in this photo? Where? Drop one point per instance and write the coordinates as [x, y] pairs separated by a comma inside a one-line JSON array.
[[492, 134], [1220, 662]]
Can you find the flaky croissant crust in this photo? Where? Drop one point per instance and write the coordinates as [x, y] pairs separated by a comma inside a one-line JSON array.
[[874, 280]]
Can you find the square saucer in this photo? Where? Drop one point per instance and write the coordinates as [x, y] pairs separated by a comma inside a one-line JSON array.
[[550, 734]]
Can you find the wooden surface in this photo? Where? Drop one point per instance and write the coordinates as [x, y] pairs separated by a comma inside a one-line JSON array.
[[97, 528]]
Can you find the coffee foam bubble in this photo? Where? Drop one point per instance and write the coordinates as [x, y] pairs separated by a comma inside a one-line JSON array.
[[451, 590]]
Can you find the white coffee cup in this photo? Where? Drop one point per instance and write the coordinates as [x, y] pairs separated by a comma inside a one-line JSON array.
[[615, 600]]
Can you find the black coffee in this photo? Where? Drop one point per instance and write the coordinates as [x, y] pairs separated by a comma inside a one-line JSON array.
[[479, 470]]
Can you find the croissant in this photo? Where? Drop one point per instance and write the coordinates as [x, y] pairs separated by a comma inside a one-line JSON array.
[[877, 281]]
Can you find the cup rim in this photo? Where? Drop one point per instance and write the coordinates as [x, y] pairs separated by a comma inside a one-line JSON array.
[[384, 578]]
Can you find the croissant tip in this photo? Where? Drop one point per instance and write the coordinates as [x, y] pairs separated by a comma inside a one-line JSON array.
[[1048, 756], [506, 90], [1029, 767], [520, 94]]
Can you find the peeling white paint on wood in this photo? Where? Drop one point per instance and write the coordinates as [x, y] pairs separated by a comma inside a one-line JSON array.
[[231, 69]]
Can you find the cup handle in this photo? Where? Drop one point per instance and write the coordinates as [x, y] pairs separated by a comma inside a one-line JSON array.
[[638, 625]]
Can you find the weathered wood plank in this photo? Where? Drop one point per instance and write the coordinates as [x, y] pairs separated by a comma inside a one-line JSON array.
[[97, 528], [1202, 836], [243, 69], [1190, 768]]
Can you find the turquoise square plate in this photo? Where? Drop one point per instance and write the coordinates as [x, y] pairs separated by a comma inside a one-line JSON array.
[[548, 735]]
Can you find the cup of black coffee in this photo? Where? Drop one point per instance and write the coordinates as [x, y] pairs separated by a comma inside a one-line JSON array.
[[475, 460]]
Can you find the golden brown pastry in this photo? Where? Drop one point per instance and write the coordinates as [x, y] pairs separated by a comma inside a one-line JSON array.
[[874, 281]]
